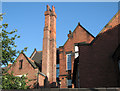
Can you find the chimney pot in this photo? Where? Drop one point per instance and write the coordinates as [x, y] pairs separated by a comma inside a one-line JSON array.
[[70, 32], [78, 23], [48, 7], [53, 8]]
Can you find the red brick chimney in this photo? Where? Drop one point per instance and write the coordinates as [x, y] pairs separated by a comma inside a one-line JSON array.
[[49, 45], [46, 43], [70, 35], [52, 63]]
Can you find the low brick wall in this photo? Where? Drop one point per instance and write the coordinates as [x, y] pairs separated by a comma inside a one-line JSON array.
[[71, 89]]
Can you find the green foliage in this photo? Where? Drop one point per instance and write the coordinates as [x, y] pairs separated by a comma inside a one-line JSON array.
[[9, 81], [9, 51]]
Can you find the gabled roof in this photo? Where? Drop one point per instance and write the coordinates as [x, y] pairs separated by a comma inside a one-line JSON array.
[[36, 56], [33, 53], [28, 59], [103, 30], [82, 28], [88, 44], [107, 25], [32, 63]]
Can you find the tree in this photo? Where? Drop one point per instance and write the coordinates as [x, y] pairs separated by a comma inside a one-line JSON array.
[[8, 53], [9, 81]]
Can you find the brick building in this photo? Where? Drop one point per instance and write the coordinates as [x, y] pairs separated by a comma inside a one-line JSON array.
[[41, 65], [68, 53], [98, 64], [63, 67]]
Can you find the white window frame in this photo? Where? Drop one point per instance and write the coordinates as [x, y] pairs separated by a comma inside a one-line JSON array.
[[76, 51], [20, 75]]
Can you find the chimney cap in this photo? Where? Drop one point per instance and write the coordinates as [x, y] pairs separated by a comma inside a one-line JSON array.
[[53, 8], [78, 23], [70, 32], [48, 7]]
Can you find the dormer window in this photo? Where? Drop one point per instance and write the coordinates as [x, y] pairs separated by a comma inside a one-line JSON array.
[[20, 64]]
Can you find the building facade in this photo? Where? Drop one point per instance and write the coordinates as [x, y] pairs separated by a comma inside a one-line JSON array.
[[80, 62], [98, 63], [68, 52]]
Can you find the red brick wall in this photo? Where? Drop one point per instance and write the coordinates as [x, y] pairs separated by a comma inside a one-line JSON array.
[[97, 68], [26, 68], [79, 35], [41, 80]]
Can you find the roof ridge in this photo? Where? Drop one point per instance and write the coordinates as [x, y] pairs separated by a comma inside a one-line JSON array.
[[30, 59], [83, 29], [33, 52], [39, 51], [109, 22]]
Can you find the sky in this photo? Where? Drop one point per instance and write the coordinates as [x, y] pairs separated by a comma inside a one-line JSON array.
[[28, 18]]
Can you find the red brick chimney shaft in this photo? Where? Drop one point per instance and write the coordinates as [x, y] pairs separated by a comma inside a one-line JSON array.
[[49, 45]]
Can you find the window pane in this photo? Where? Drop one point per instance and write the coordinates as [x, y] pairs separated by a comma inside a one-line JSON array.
[[57, 70], [57, 66], [69, 82], [76, 55], [76, 48], [68, 61]]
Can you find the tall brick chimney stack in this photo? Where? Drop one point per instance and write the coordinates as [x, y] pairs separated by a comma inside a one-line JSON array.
[[46, 43], [53, 45], [49, 45]]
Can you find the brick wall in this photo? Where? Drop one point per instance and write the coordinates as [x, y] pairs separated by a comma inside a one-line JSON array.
[[26, 69], [97, 67], [79, 35]]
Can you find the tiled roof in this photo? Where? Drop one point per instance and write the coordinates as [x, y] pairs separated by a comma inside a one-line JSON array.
[[32, 62], [37, 57]]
